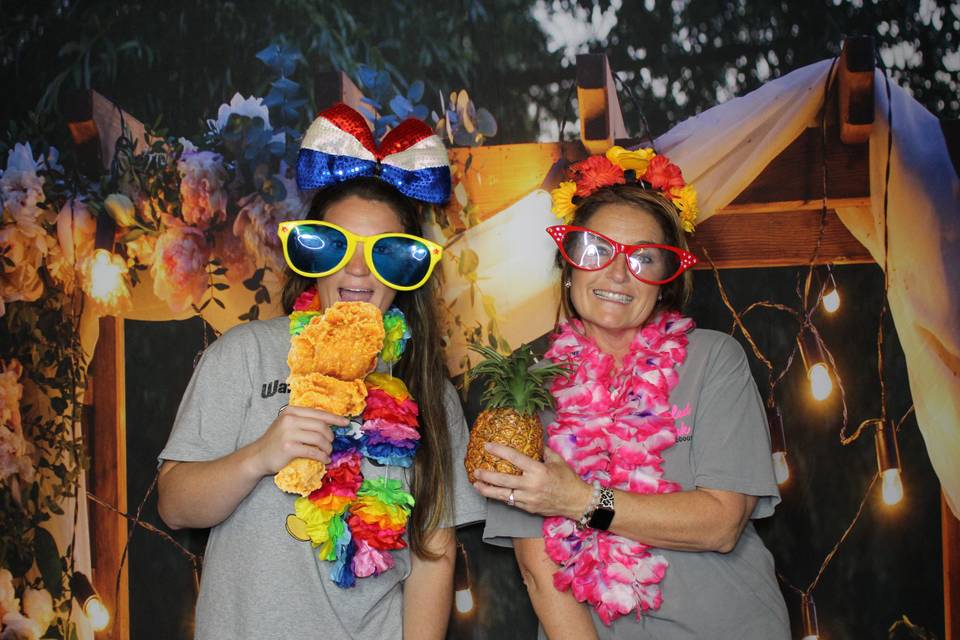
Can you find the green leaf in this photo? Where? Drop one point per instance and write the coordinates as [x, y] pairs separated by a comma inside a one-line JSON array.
[[48, 560]]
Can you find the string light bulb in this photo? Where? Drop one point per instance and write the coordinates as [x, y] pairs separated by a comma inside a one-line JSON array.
[[831, 296], [89, 601], [778, 448], [888, 462], [808, 611], [463, 596], [815, 363]]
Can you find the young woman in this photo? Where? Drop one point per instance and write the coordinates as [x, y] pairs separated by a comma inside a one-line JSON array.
[[230, 438]]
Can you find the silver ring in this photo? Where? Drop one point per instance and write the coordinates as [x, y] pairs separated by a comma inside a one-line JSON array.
[[510, 500], [282, 409]]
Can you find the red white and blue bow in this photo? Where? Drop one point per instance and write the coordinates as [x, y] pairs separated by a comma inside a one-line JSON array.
[[339, 146]]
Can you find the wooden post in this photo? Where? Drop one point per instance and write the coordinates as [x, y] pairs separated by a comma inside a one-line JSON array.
[[601, 121], [107, 475], [332, 87], [95, 124], [855, 100], [951, 570]]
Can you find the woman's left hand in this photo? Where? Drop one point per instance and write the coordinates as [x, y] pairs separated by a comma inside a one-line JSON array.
[[548, 488]]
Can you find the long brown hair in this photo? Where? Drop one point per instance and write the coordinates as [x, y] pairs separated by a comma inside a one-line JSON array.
[[422, 367], [674, 295]]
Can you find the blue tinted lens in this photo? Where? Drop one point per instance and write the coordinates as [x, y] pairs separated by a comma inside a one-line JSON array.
[[401, 261], [314, 248]]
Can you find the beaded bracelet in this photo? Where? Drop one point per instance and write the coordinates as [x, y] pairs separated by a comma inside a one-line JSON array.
[[591, 506]]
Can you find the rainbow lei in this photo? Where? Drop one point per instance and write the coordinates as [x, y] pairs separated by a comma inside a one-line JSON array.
[[612, 426], [356, 522]]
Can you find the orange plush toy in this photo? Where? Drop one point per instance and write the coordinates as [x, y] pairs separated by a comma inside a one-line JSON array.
[[330, 354]]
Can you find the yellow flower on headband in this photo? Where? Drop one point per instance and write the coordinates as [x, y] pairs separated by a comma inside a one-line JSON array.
[[685, 200], [631, 160], [562, 198]]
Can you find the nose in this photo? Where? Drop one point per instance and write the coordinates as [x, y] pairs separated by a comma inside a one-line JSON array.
[[618, 271], [357, 266]]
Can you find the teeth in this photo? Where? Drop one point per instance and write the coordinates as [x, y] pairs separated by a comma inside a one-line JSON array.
[[612, 295]]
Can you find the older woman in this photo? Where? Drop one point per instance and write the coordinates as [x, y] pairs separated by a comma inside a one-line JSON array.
[[658, 454]]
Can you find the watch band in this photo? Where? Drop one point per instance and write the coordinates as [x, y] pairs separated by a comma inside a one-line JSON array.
[[602, 516]]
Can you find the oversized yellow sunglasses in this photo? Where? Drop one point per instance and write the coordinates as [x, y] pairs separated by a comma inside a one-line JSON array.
[[316, 248]]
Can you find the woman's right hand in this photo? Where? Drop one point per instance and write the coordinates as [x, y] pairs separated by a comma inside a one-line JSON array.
[[297, 432]]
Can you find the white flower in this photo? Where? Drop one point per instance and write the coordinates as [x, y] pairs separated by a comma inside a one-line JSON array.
[[76, 231], [21, 189], [120, 208], [8, 596], [38, 606], [251, 107], [19, 627]]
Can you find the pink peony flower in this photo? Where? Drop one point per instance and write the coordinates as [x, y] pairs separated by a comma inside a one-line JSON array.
[[203, 200], [257, 224], [179, 268], [233, 255]]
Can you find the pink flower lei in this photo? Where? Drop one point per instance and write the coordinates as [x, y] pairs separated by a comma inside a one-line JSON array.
[[612, 426]]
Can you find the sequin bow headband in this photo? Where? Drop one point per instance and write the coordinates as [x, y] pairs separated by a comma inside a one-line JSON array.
[[339, 146]]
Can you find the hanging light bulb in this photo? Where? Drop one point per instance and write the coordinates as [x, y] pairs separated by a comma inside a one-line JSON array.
[[808, 611], [888, 462], [814, 361], [89, 601], [463, 596], [778, 449], [831, 296]]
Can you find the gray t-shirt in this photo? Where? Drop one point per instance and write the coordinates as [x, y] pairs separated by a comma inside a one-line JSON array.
[[705, 594], [258, 581]]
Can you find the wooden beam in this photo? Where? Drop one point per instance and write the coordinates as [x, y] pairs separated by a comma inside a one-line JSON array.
[[601, 120], [782, 239], [951, 570], [107, 475], [332, 87], [855, 89], [794, 179]]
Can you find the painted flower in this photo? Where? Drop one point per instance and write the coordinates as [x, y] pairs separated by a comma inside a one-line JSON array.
[[257, 224], [663, 174], [8, 595], [685, 199], [17, 626], [20, 281], [251, 107], [179, 267], [120, 208], [233, 255], [59, 268], [203, 200], [141, 249], [76, 230], [627, 160], [594, 173], [562, 198], [38, 606], [21, 188]]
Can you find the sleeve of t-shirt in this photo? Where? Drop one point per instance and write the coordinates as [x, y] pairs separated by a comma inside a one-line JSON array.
[[468, 505], [209, 419], [731, 441]]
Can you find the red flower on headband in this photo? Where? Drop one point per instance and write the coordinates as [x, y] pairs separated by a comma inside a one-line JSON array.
[[663, 174], [594, 173]]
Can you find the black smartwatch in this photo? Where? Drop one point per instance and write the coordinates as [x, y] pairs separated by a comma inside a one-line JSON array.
[[602, 516]]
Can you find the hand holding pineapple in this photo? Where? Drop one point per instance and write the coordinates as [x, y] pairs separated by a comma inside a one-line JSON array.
[[514, 395]]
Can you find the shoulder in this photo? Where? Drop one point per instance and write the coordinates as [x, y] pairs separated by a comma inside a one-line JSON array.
[[709, 347], [251, 337]]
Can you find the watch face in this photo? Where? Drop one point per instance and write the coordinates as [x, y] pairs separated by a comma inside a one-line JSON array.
[[601, 518]]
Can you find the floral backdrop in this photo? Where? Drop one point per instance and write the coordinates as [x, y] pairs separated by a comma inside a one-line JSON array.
[[189, 220]]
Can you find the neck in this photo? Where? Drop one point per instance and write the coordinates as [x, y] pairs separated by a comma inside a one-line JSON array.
[[613, 342]]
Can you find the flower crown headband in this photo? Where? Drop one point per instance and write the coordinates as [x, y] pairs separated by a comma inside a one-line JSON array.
[[620, 166]]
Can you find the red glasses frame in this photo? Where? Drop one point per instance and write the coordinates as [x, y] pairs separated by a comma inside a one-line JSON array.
[[558, 232]]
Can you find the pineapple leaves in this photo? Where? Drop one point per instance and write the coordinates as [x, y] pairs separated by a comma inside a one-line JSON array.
[[512, 383]]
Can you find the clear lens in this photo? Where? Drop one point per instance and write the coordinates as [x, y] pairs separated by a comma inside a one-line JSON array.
[[653, 263], [587, 250], [400, 261], [316, 248]]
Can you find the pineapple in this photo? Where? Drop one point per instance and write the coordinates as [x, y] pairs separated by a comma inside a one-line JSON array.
[[514, 395]]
